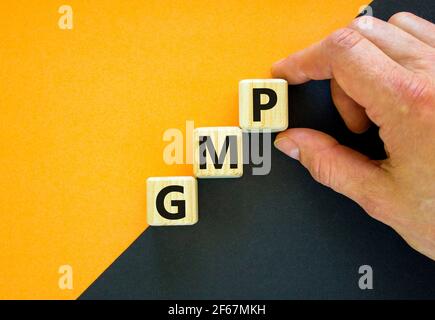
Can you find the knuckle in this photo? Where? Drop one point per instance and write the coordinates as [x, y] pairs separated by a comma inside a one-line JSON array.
[[375, 203], [418, 90], [399, 17], [321, 170], [415, 90], [344, 39]]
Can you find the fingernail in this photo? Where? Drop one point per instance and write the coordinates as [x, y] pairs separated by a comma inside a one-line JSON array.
[[279, 61], [287, 146], [275, 65]]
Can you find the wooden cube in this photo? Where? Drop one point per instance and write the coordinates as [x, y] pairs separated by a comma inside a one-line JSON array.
[[218, 152], [263, 104], [172, 201]]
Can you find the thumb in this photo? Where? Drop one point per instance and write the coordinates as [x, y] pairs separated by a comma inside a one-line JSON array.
[[336, 166]]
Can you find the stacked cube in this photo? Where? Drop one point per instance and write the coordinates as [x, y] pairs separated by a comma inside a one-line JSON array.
[[218, 152]]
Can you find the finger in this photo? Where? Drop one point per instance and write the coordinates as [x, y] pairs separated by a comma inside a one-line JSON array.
[[398, 44], [352, 113], [416, 26], [362, 70], [338, 167]]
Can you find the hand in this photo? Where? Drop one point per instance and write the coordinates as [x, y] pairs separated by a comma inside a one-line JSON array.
[[384, 75]]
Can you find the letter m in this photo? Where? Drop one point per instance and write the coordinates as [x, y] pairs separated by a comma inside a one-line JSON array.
[[205, 143]]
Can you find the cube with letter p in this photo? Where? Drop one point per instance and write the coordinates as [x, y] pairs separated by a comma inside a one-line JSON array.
[[263, 104]]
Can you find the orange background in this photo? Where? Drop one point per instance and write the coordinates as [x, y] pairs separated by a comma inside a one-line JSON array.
[[83, 113]]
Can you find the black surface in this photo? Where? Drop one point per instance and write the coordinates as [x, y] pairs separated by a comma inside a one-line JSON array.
[[278, 236]]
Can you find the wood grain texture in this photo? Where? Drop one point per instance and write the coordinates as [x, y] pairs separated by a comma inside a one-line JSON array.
[[218, 136], [189, 196], [274, 119]]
